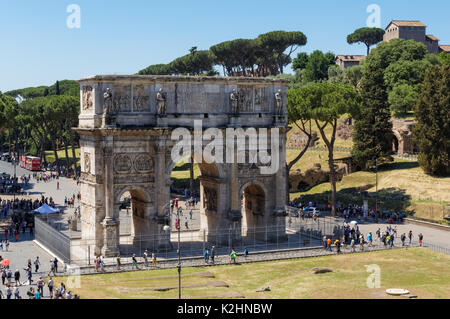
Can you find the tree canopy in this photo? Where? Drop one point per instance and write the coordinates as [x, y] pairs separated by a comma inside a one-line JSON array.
[[368, 36], [324, 103], [432, 130], [265, 55], [373, 130]]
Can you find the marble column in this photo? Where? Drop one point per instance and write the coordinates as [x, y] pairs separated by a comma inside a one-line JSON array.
[[110, 224]]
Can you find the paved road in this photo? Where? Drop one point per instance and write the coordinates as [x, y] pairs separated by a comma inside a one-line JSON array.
[[19, 252]]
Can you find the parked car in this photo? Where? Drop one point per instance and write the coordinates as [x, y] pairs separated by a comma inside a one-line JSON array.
[[309, 211]]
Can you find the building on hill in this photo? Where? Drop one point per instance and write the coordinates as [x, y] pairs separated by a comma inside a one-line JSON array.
[[411, 30], [444, 48], [345, 61]]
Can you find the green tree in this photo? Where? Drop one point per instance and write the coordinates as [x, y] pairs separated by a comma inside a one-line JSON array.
[[157, 69], [444, 57], [317, 67], [353, 75], [432, 130], [373, 130], [368, 36], [277, 43], [58, 91], [335, 74], [406, 72], [300, 61], [325, 103], [402, 99]]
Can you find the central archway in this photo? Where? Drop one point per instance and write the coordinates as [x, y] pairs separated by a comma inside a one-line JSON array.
[[133, 208], [253, 207]]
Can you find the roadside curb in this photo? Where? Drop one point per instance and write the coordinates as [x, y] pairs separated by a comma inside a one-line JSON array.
[[429, 224]]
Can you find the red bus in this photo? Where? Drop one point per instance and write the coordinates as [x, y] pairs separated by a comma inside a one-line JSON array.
[[22, 161], [33, 163]]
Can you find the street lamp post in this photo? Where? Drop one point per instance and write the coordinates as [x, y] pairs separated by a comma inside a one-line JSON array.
[[375, 166], [179, 247], [179, 256]]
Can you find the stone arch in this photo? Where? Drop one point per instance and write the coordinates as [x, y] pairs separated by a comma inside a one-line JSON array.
[[140, 215], [397, 142], [254, 208]]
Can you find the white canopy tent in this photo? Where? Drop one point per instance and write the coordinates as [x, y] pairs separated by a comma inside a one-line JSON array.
[[45, 209]]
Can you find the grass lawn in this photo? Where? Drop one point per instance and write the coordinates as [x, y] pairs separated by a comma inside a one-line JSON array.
[[425, 195], [423, 272]]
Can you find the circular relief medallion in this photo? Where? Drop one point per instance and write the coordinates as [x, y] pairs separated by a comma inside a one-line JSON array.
[[143, 163], [122, 163]]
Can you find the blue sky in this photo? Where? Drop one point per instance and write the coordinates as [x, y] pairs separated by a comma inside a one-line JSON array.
[[37, 47]]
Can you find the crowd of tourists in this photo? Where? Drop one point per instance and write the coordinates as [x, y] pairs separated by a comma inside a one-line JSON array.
[[354, 238], [11, 281]]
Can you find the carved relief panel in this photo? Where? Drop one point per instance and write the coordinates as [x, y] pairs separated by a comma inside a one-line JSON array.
[[122, 163], [143, 163], [87, 163], [87, 98], [210, 199]]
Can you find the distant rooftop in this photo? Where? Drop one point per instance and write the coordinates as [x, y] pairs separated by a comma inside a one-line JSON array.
[[407, 23], [432, 37], [445, 48], [350, 58]]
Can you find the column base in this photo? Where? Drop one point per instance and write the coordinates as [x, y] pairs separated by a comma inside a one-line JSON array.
[[111, 235]]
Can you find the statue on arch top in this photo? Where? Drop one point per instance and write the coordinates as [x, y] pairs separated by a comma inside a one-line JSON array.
[[234, 100], [107, 101], [161, 102], [279, 102]]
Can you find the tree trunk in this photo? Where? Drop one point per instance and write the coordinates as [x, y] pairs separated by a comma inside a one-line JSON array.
[[55, 151], [67, 154], [333, 182], [330, 147], [74, 158]]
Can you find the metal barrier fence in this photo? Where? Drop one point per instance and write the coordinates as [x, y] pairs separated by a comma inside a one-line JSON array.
[[52, 239], [297, 234], [439, 249]]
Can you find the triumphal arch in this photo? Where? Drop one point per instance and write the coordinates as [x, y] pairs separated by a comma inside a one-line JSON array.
[[130, 127]]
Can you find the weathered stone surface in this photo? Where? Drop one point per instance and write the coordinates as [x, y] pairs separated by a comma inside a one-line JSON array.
[[125, 138]]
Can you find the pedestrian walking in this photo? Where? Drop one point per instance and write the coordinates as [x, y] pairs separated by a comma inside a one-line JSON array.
[[17, 277], [153, 259], [52, 268], [134, 262], [233, 256], [118, 261], [16, 293], [3, 276], [410, 236], [55, 262], [206, 255], [50, 287], [146, 258], [40, 286], [420, 239], [36, 264], [245, 252], [186, 223], [213, 254], [337, 243]]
